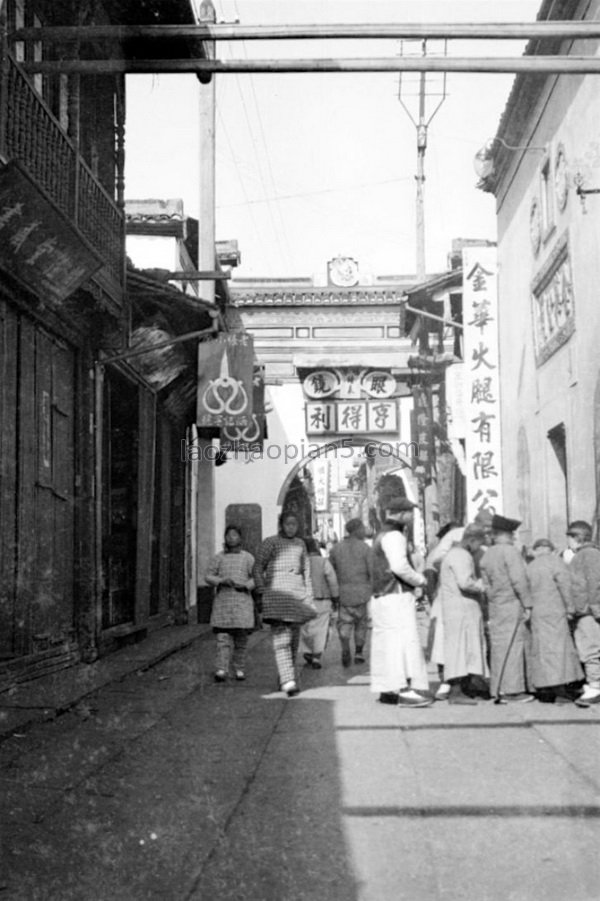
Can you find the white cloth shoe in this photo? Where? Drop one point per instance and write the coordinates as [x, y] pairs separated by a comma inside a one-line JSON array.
[[442, 692], [410, 698], [590, 694]]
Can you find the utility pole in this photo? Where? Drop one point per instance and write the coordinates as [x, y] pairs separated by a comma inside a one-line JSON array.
[[421, 122], [207, 179]]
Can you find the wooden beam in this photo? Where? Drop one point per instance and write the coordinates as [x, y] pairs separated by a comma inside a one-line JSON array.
[[449, 322], [540, 65], [193, 276], [138, 351], [471, 31]]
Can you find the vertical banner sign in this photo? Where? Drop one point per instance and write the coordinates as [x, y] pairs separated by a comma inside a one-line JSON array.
[[225, 388], [456, 417], [321, 484], [250, 437], [422, 431], [482, 384]]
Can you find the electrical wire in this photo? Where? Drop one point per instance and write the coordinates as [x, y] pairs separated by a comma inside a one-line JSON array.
[[277, 231], [247, 202], [267, 155], [347, 189]]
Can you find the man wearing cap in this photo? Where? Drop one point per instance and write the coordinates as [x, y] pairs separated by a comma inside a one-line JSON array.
[[459, 596], [554, 662], [509, 610], [351, 560], [398, 668], [585, 594]]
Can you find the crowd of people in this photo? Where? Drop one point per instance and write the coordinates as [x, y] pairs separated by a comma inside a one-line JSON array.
[[508, 623]]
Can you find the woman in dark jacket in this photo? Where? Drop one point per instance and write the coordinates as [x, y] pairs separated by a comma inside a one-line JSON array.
[[282, 577]]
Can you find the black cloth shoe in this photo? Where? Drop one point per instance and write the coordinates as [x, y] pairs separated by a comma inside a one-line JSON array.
[[388, 697], [308, 658], [359, 657], [476, 686], [346, 657], [458, 696], [461, 698]]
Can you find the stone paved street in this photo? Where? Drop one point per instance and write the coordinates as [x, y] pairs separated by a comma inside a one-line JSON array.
[[162, 784]]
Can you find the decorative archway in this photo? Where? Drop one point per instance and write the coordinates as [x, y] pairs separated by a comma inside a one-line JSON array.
[[332, 445]]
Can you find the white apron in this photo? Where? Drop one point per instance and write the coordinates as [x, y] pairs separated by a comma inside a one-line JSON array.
[[396, 652]]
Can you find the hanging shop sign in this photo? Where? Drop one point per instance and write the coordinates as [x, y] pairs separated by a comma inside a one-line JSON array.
[[482, 384], [378, 383], [240, 438], [225, 381], [342, 417], [456, 417], [321, 383], [39, 247], [349, 384], [421, 420], [320, 469], [350, 401]]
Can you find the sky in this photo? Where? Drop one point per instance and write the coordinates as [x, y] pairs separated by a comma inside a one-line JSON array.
[[312, 166]]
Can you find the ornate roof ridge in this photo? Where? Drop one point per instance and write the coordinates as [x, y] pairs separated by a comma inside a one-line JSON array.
[[326, 296]]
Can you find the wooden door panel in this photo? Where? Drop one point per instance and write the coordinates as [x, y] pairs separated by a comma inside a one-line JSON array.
[[8, 477]]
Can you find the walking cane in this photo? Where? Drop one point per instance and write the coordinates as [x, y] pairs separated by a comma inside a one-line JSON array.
[[498, 699]]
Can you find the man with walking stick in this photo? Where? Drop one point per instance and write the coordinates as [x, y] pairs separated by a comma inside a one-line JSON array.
[[509, 607]]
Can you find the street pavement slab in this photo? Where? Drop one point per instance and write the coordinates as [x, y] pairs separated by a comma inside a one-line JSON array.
[[161, 784]]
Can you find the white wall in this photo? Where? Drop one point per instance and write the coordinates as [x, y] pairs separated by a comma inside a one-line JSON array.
[[150, 252], [535, 396], [252, 480]]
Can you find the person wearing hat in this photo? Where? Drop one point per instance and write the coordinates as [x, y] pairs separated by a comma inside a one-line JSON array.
[[554, 663], [449, 535], [398, 668], [584, 569], [460, 595], [509, 610], [351, 560]]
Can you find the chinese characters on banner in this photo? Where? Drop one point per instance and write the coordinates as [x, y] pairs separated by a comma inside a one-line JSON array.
[[321, 484], [39, 246], [249, 437], [349, 401], [350, 417], [483, 434], [422, 430], [225, 385]]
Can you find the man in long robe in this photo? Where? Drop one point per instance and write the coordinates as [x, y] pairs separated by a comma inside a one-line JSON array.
[[460, 594], [554, 661], [509, 609]]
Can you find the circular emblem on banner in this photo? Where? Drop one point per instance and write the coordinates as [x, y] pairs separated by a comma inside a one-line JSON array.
[[378, 383], [320, 383]]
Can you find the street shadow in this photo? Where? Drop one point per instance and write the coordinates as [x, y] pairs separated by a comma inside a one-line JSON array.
[[285, 839]]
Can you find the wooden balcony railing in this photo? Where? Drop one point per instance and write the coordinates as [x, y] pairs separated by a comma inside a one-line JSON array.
[[33, 136]]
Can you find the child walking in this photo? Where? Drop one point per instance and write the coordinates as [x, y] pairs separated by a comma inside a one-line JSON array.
[[232, 615], [314, 633]]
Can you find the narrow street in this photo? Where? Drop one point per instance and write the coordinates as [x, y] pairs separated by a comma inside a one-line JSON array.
[[166, 785]]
